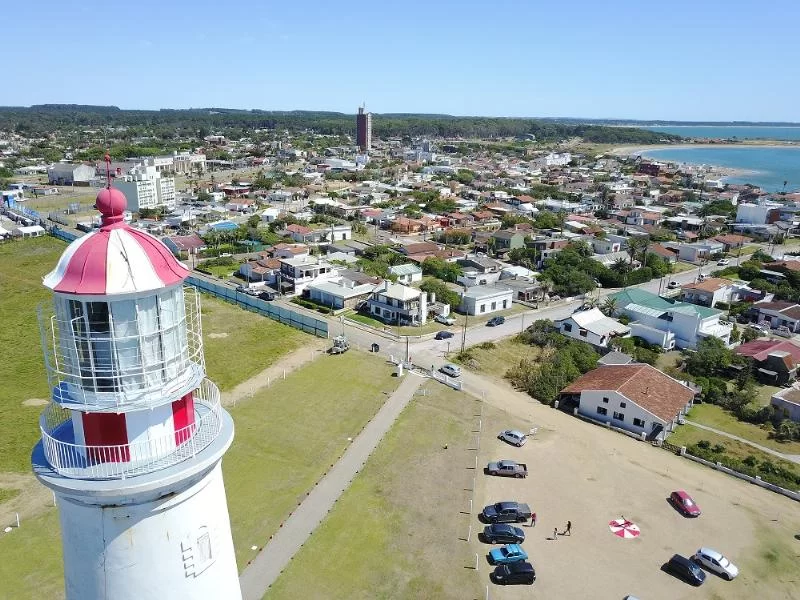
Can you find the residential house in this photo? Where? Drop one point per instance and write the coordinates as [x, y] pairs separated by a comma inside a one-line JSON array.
[[696, 252], [774, 361], [297, 273], [758, 214], [605, 245], [398, 304], [634, 397], [289, 251], [406, 225], [264, 269], [407, 273], [787, 403], [70, 174], [524, 289], [711, 290], [419, 248], [731, 241], [669, 323], [306, 235], [185, 245], [641, 218], [593, 327], [505, 240], [481, 264], [339, 293], [779, 313], [485, 299], [665, 253]]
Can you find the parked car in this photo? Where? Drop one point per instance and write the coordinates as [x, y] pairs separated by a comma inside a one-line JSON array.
[[507, 554], [716, 562], [506, 512], [685, 569], [503, 533], [684, 503], [444, 320], [759, 327], [444, 335], [722, 262], [507, 468], [783, 331], [517, 573], [512, 436], [268, 296], [495, 321], [451, 370], [673, 285]]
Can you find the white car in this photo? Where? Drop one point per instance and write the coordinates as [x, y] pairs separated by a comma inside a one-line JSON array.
[[715, 562], [444, 320], [451, 370], [512, 436], [723, 262], [673, 285]]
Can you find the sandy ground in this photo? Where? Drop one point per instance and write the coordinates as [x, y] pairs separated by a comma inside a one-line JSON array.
[[636, 150], [588, 475], [32, 500]]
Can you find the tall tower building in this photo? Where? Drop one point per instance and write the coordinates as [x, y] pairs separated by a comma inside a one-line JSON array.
[[133, 438], [364, 129]]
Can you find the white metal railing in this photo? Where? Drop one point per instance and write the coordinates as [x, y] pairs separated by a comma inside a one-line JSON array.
[[70, 459], [128, 365]]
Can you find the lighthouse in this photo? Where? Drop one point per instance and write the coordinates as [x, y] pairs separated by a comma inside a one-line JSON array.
[[134, 434]]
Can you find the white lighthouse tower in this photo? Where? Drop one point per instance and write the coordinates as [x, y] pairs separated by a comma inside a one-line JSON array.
[[133, 438]]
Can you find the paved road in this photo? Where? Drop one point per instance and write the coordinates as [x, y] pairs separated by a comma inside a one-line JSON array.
[[275, 556], [791, 457]]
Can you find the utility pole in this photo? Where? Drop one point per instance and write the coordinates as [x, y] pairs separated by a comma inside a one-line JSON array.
[[464, 334]]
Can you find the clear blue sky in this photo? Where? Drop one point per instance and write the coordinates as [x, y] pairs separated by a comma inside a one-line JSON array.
[[682, 59]]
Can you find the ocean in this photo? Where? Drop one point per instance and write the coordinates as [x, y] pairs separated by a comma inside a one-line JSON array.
[[754, 132], [767, 166]]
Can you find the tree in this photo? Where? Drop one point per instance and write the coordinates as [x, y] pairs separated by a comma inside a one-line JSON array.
[[637, 247], [253, 221], [712, 357], [441, 269], [610, 306], [443, 293]]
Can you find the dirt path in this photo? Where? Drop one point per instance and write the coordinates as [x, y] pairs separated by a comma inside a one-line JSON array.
[[287, 364]]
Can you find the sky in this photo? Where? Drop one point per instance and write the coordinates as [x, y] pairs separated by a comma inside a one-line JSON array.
[[678, 60]]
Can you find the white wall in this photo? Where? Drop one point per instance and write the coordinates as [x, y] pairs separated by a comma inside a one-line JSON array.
[[130, 551], [592, 400]]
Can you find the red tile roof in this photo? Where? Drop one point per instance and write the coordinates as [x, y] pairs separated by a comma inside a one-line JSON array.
[[644, 385], [758, 350]]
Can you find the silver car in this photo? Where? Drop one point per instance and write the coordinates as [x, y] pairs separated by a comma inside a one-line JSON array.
[[713, 561], [512, 436]]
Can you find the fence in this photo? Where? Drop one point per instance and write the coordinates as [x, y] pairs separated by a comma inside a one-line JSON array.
[[281, 314]]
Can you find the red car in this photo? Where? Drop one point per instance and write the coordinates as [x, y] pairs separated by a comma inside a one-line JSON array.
[[684, 503]]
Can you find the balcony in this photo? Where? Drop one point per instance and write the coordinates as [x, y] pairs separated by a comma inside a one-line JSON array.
[[72, 460]]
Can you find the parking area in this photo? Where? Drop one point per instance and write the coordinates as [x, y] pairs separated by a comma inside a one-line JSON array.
[[590, 476]]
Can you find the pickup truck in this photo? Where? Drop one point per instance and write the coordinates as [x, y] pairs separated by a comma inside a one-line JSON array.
[[507, 468], [506, 512]]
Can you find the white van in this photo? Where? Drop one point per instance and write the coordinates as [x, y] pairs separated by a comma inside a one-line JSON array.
[[451, 370]]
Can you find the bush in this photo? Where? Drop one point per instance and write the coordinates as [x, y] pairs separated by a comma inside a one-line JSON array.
[[487, 346]]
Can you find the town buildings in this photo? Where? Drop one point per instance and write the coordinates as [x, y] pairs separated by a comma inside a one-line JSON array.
[[146, 188]]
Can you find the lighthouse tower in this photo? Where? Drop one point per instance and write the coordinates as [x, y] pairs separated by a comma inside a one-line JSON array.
[[133, 438]]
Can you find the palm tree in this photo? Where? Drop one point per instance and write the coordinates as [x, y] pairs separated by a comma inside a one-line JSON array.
[[620, 266], [609, 306], [635, 247]]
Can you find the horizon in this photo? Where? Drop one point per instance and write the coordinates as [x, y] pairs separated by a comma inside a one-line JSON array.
[[641, 122]]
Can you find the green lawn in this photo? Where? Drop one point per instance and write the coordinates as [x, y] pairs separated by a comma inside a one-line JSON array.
[[680, 267], [714, 416], [764, 393], [386, 538], [221, 271], [7, 494], [239, 343], [31, 567], [22, 376], [495, 361], [288, 435], [686, 435]]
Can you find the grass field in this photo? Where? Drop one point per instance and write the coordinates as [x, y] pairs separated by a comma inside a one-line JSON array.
[[386, 538], [714, 416], [499, 359], [686, 435], [22, 376], [680, 267], [239, 344], [7, 494], [288, 435], [31, 565]]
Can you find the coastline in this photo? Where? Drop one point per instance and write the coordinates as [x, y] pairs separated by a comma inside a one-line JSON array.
[[639, 150]]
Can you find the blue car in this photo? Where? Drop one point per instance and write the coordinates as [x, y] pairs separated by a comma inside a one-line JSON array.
[[507, 554]]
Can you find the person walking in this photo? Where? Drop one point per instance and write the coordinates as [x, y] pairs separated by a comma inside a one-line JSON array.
[[555, 533], [568, 530], [533, 519]]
